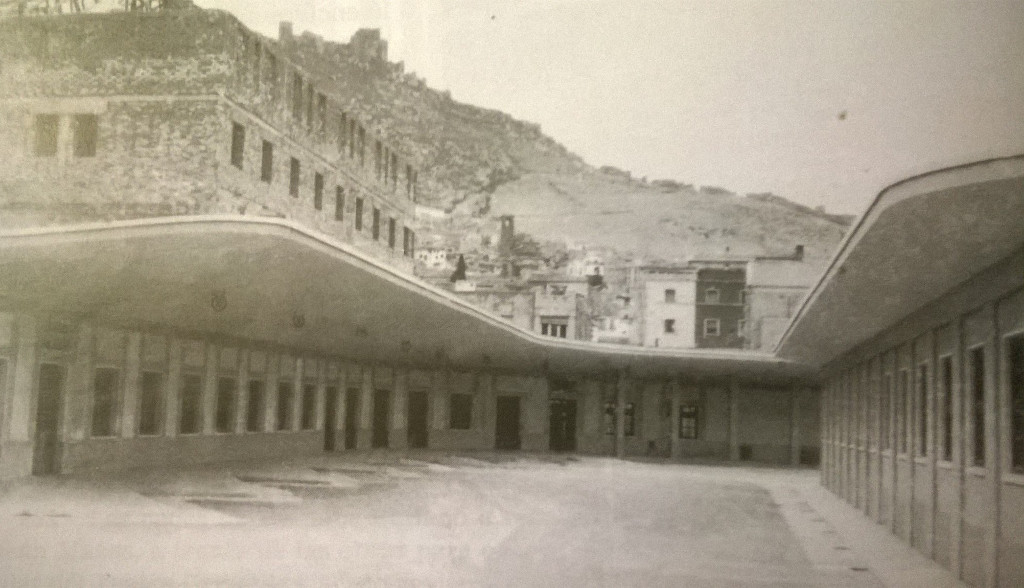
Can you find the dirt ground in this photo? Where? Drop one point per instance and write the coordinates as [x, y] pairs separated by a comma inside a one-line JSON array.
[[442, 520]]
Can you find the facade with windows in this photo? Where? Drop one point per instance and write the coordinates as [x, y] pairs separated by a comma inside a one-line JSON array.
[[187, 112], [667, 306], [918, 326], [720, 298]]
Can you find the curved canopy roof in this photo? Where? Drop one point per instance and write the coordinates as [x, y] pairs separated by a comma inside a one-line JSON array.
[[273, 281], [920, 238]]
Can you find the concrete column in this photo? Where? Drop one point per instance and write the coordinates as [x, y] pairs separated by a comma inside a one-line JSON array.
[[993, 435], [209, 402], [78, 387], [957, 390], [242, 394], [21, 421], [273, 374], [438, 402], [172, 395], [620, 413], [734, 421], [794, 429], [366, 410], [398, 437], [321, 395], [488, 409], [132, 381], [298, 391], [674, 391]]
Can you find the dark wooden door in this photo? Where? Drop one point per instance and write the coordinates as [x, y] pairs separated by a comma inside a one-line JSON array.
[[330, 417], [506, 427], [381, 416], [351, 418], [417, 427], [563, 424], [45, 456]]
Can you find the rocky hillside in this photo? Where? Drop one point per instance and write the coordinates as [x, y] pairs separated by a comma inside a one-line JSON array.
[[485, 162]]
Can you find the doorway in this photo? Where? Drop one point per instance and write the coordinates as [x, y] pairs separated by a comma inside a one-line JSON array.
[[351, 418], [563, 424], [330, 417], [418, 408], [506, 427], [45, 455], [381, 414]]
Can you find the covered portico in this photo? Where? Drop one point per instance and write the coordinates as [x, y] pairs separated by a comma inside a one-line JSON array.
[[225, 301]]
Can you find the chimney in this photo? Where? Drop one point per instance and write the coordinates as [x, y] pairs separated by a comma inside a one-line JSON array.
[[284, 32], [798, 253]]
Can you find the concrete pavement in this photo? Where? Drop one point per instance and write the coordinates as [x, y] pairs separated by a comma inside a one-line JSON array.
[[432, 519]]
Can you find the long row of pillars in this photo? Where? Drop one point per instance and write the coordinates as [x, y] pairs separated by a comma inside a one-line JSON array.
[[622, 386]]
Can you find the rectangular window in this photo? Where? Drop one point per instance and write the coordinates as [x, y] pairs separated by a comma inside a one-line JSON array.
[[362, 146], [237, 144], [151, 404], [86, 129], [284, 406], [342, 133], [629, 419], [321, 111], [359, 214], [293, 178], [272, 74], [226, 388], [375, 227], [106, 382], [190, 420], [922, 410], [308, 101], [461, 411], [670, 296], [339, 204], [688, 421], [406, 242], [408, 180], [902, 409], [885, 402], [711, 296], [978, 404], [45, 135], [394, 169], [309, 406], [297, 97], [377, 166], [255, 408], [946, 418], [1015, 368], [391, 233], [267, 165], [670, 325], [318, 191], [712, 327]]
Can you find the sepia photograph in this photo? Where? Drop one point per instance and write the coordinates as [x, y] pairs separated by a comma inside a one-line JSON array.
[[572, 293]]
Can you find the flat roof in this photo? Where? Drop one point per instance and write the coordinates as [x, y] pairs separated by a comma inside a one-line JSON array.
[[919, 239], [285, 285]]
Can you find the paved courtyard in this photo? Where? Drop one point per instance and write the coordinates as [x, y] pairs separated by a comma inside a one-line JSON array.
[[440, 520]]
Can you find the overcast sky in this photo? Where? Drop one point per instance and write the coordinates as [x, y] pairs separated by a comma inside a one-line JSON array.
[[821, 102]]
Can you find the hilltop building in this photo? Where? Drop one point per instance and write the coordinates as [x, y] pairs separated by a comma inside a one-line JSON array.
[[187, 112]]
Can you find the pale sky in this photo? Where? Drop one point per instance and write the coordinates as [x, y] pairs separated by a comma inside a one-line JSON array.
[[743, 95]]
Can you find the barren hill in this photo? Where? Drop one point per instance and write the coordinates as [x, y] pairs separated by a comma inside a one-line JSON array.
[[486, 162]]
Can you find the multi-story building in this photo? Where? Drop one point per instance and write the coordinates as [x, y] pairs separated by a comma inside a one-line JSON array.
[[775, 288], [667, 306], [187, 112], [721, 287]]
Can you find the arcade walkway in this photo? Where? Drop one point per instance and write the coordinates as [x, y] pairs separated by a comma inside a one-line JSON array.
[[434, 519]]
